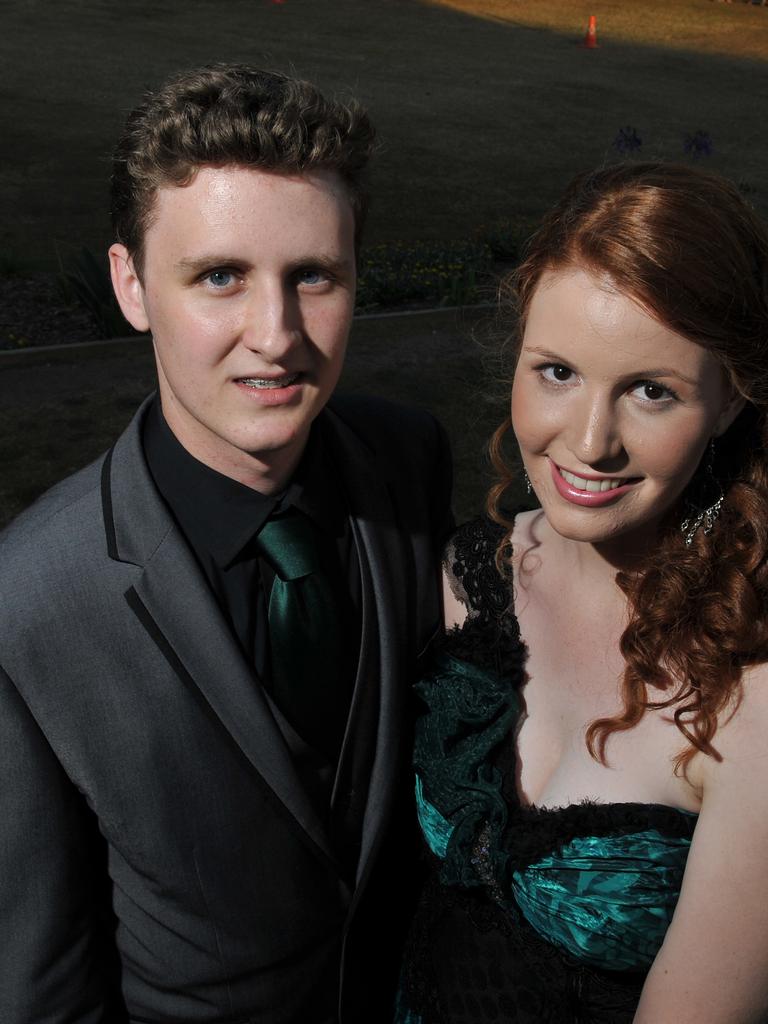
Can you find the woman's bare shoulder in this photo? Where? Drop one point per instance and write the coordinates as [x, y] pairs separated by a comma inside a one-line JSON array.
[[740, 742], [718, 939], [743, 725]]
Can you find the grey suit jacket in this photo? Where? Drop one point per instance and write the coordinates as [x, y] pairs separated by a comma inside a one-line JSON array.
[[159, 858]]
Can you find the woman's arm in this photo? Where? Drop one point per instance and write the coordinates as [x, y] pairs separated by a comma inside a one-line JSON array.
[[454, 612], [713, 965]]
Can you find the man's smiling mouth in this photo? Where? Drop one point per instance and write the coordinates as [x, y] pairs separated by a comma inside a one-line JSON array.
[[269, 382]]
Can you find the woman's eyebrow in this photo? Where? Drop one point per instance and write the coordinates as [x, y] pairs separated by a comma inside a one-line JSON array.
[[667, 371]]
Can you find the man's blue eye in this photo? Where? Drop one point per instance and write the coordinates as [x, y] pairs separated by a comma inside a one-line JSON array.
[[220, 278], [311, 276]]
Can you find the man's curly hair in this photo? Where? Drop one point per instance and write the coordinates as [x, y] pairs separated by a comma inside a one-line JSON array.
[[232, 114]]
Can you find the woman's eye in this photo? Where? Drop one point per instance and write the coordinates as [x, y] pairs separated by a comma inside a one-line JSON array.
[[651, 391], [555, 373]]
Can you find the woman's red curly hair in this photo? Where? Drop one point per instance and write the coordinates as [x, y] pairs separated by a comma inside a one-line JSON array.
[[685, 245]]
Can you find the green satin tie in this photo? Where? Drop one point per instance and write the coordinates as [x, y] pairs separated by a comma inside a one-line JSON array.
[[303, 630]]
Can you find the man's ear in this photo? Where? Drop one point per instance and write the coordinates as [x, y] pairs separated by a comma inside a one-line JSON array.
[[128, 289], [730, 411]]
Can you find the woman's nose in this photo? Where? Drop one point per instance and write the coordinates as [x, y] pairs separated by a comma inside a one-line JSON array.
[[596, 434]]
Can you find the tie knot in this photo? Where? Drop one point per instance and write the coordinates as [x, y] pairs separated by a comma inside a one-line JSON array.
[[289, 544]]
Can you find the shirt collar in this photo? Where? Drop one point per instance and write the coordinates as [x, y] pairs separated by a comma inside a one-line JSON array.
[[315, 488], [221, 516]]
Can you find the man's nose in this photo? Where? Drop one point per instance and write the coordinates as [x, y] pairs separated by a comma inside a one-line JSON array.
[[595, 432], [272, 321]]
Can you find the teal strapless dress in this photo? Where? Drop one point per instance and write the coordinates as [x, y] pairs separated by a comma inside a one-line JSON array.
[[529, 915]]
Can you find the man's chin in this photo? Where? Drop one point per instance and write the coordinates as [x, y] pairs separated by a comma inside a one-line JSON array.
[[273, 451]]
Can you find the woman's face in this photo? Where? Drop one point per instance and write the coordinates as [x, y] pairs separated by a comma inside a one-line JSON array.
[[612, 410]]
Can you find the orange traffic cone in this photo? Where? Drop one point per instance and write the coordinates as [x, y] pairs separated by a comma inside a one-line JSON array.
[[590, 39]]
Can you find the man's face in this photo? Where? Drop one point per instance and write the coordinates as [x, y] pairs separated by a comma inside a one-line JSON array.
[[248, 290]]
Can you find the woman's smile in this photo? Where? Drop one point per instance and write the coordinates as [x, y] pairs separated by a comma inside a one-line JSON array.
[[590, 491]]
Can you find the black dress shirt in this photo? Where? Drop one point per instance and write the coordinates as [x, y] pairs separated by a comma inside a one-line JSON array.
[[221, 518]]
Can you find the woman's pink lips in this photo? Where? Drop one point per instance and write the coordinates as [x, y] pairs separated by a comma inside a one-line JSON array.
[[591, 499]]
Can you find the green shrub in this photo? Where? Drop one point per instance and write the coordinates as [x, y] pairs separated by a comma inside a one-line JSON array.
[[506, 238], [424, 273], [84, 280]]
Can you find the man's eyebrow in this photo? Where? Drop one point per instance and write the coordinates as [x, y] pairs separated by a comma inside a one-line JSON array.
[[208, 260], [328, 261], [651, 373], [197, 264], [325, 261]]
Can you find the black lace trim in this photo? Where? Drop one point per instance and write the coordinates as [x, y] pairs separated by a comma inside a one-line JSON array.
[[490, 638], [536, 832], [471, 563], [495, 647]]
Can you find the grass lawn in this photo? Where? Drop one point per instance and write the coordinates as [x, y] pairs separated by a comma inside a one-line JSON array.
[[60, 409], [485, 107], [689, 26]]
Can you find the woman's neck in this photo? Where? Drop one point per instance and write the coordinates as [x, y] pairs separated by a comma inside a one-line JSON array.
[[591, 568]]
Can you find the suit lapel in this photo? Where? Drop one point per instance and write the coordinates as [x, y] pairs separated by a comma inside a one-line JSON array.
[[374, 740], [188, 625]]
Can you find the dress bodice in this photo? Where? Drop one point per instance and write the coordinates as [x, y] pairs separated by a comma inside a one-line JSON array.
[[591, 887]]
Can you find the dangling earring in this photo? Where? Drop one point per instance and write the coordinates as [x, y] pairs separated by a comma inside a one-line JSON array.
[[528, 484], [705, 509]]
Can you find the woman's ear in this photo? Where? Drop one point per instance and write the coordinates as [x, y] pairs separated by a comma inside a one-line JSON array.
[[729, 413], [127, 287]]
